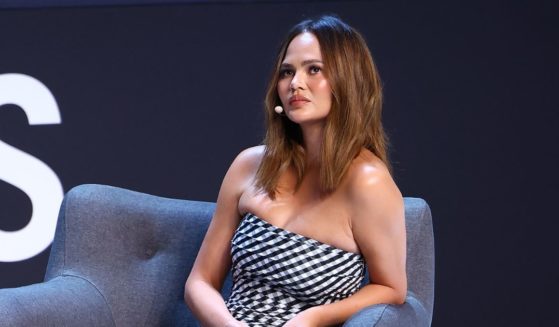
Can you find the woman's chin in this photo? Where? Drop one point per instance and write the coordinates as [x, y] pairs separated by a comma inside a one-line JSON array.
[[305, 119]]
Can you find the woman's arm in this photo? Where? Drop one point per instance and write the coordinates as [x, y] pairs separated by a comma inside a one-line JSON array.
[[202, 288], [378, 226]]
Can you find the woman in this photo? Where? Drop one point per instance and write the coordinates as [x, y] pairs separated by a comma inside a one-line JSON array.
[[298, 218]]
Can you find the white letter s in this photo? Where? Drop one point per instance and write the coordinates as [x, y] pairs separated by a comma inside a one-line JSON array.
[[28, 173]]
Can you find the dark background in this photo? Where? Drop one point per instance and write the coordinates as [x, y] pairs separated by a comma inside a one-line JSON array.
[[160, 99]]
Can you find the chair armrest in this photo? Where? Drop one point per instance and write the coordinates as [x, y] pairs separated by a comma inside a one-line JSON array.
[[411, 313], [62, 301]]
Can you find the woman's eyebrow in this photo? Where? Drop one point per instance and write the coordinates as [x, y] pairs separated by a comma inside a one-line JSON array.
[[304, 63]]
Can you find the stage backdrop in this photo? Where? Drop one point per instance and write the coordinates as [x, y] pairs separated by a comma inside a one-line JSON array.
[[161, 98]]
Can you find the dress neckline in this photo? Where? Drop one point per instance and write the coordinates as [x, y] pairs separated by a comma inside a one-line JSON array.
[[302, 237]]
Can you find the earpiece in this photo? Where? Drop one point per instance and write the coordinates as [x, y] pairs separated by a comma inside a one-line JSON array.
[[278, 109]]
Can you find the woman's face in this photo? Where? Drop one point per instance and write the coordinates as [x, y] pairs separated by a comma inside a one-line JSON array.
[[302, 87]]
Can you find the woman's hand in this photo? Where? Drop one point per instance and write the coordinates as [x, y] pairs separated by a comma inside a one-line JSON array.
[[307, 318], [236, 323]]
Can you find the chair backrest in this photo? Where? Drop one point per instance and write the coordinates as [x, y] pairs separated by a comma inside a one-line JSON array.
[[420, 265], [136, 249]]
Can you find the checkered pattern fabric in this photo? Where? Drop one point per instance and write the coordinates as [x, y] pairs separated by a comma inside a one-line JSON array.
[[278, 273]]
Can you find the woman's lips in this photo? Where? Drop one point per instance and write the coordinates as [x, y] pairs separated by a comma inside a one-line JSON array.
[[296, 101]]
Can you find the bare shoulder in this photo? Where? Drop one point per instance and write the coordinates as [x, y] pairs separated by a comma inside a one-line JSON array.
[[368, 173], [371, 188], [238, 178], [242, 171], [249, 159]]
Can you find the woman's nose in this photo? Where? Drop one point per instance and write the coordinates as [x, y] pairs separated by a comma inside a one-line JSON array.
[[297, 82]]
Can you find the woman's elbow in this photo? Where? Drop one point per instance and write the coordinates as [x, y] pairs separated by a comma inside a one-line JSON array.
[[188, 290], [400, 295], [396, 294], [400, 298]]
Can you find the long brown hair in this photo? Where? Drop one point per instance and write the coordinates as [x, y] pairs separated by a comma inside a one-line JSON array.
[[354, 120]]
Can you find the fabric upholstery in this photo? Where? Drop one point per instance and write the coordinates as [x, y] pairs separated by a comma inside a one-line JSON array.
[[62, 301], [411, 313], [121, 258]]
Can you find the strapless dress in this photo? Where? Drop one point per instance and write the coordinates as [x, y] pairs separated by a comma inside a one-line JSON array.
[[278, 273]]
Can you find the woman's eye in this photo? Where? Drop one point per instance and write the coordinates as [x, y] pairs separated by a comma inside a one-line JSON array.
[[315, 69], [285, 73]]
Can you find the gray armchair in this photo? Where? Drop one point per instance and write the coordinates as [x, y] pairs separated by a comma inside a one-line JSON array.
[[121, 258]]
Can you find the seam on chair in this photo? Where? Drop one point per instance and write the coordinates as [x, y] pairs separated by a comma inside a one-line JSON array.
[[381, 314], [417, 299], [98, 291]]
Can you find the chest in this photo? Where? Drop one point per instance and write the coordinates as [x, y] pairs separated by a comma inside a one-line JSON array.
[[323, 218]]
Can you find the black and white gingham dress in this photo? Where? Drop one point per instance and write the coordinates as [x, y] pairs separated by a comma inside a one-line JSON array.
[[278, 273]]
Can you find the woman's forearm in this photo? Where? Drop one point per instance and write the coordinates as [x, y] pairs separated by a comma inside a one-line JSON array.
[[207, 304], [338, 312]]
